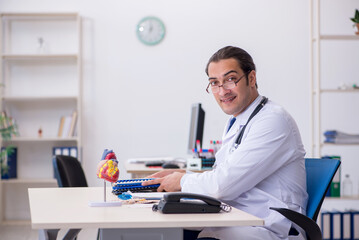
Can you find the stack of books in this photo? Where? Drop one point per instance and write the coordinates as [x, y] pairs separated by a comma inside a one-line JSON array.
[[334, 136]]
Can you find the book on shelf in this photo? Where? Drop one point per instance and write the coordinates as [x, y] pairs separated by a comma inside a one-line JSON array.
[[67, 127], [61, 126], [73, 124]]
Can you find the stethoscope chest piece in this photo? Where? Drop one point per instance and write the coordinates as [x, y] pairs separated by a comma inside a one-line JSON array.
[[233, 148]]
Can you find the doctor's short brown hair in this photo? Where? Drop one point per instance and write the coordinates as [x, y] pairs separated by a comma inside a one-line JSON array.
[[245, 61]]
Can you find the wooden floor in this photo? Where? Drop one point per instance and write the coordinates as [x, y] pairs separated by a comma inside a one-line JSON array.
[[24, 232]]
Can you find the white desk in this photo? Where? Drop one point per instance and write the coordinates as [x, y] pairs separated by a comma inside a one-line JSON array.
[[57, 208]]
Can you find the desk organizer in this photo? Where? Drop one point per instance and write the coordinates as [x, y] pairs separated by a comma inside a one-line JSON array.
[[133, 185]]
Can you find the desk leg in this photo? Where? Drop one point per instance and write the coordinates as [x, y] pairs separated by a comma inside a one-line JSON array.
[[48, 234], [71, 234], [142, 233]]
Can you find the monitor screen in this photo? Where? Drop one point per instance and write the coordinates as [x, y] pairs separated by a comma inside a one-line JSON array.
[[196, 126]]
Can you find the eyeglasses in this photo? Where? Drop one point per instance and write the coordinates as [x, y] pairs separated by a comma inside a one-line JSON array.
[[229, 83]]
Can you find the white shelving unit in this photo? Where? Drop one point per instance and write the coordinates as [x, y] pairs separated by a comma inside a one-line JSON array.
[[41, 70], [330, 102]]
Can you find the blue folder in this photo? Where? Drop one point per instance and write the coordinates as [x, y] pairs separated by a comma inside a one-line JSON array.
[[132, 185]]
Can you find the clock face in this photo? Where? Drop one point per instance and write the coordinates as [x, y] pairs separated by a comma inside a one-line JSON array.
[[151, 30]]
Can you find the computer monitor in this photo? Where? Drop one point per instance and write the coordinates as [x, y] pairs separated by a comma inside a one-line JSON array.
[[196, 126]]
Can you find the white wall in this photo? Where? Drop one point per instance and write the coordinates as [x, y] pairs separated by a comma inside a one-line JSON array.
[[137, 98]]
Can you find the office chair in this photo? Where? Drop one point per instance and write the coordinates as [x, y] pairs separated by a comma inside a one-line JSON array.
[[320, 173], [69, 173]]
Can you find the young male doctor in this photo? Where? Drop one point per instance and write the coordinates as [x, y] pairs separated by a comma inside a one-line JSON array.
[[261, 162]]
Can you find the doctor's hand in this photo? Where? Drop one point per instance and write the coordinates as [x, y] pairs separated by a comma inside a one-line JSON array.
[[169, 183], [165, 172]]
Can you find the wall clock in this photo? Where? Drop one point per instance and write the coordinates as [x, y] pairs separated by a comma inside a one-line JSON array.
[[150, 30]]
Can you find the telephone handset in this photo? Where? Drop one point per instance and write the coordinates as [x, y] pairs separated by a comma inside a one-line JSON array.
[[188, 203]]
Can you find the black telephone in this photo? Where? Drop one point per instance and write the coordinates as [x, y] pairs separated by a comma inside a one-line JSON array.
[[187, 203]]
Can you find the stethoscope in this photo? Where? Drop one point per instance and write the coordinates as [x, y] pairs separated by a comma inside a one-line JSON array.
[[239, 138]]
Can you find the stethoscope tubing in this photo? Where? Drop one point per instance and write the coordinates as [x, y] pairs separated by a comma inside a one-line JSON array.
[[240, 135]]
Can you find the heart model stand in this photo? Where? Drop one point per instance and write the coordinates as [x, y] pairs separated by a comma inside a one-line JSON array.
[[108, 171]]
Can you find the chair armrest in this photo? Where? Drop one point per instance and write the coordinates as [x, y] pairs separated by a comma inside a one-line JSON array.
[[307, 224]]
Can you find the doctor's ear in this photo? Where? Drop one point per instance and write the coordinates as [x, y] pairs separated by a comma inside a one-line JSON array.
[[252, 78]]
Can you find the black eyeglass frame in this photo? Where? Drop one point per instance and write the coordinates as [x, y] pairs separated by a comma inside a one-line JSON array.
[[235, 82]]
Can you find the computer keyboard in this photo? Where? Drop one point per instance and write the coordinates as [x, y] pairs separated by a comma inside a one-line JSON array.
[[151, 159]]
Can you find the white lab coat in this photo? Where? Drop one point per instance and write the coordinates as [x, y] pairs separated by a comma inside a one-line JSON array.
[[266, 170]]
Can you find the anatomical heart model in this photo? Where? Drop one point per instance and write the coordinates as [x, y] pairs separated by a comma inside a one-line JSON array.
[[107, 169]]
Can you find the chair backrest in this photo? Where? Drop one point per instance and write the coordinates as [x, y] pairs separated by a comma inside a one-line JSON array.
[[320, 173], [68, 172]]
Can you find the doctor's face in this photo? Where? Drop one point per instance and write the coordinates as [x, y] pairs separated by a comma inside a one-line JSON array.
[[235, 100]]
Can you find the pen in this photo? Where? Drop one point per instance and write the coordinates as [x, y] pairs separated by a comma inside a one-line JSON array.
[[195, 152], [198, 145]]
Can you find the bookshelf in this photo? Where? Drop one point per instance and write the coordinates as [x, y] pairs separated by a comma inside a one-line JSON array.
[[41, 77], [334, 69]]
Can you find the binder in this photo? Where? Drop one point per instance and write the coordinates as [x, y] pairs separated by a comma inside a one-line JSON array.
[[325, 225], [67, 151], [133, 185], [354, 215], [340, 225], [336, 225], [73, 152], [328, 194], [346, 228], [335, 185], [10, 161], [57, 151]]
